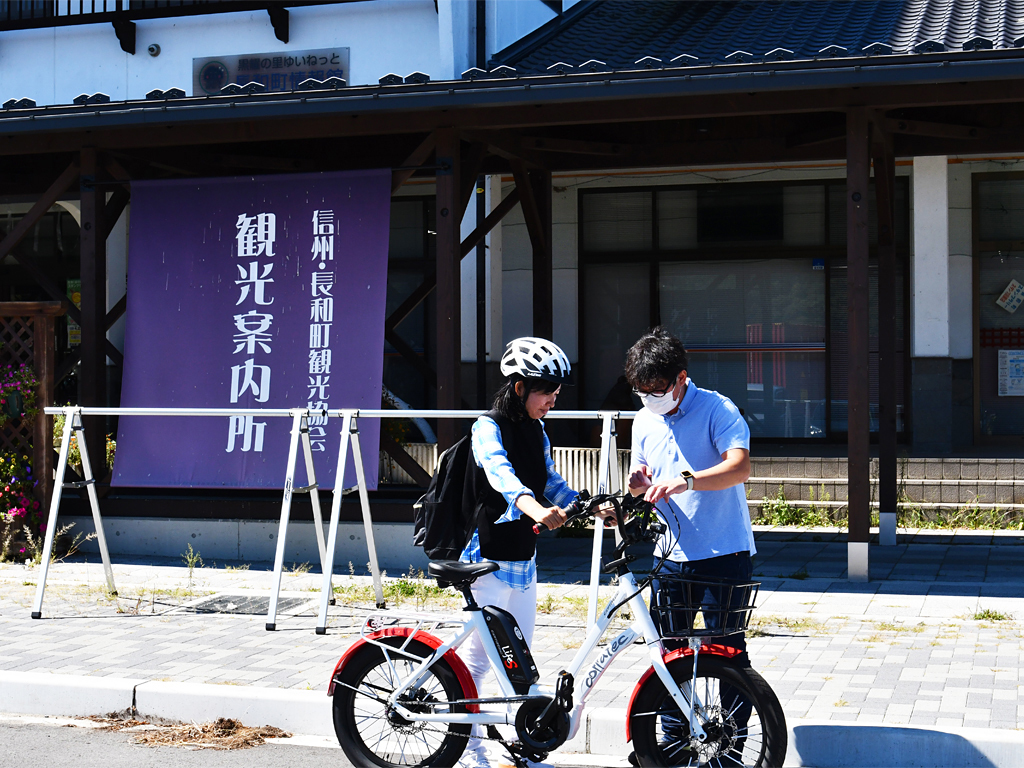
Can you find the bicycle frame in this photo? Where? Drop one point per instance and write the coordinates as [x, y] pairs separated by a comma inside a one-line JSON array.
[[643, 626]]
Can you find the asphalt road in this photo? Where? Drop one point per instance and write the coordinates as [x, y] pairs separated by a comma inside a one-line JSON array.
[[41, 746], [29, 743]]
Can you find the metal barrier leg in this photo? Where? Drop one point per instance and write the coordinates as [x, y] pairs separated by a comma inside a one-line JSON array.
[[94, 504], [326, 591], [286, 509], [51, 520], [314, 495], [603, 479], [364, 502]]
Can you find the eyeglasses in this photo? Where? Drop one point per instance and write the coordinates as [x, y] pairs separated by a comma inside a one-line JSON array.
[[658, 392]]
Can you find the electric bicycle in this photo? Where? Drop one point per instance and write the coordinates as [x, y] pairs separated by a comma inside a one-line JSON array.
[[403, 697]]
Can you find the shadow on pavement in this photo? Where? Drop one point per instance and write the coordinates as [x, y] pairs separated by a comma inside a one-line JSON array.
[[878, 746]]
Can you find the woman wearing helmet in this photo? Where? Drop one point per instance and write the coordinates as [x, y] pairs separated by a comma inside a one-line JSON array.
[[512, 448]]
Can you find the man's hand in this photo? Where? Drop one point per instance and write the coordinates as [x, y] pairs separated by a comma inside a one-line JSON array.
[[640, 480], [659, 491]]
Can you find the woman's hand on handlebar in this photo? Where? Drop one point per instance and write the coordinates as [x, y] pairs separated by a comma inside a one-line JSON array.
[[549, 517]]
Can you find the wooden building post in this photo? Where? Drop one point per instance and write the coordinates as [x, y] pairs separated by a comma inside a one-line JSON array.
[[885, 183], [858, 396], [543, 288], [449, 273], [44, 363], [92, 385]]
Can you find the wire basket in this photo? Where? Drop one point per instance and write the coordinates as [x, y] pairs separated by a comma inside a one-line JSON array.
[[724, 606]]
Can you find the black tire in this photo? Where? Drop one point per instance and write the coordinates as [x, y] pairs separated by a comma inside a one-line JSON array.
[[749, 729], [370, 736]]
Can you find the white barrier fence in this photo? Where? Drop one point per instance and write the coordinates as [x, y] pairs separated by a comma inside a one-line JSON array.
[[608, 480]]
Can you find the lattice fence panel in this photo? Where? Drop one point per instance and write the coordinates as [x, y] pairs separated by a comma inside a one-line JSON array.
[[16, 334]]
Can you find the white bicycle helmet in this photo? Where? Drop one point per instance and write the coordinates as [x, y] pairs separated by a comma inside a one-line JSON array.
[[534, 358]]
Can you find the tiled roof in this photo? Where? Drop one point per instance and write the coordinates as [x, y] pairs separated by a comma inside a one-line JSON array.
[[619, 33]]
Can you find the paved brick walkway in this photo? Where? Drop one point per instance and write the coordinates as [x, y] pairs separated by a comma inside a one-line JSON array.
[[906, 648]]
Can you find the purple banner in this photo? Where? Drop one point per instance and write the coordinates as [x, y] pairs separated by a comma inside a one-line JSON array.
[[254, 292]]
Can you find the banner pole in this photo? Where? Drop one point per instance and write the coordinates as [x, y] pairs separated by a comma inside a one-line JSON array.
[[364, 502], [602, 487], [313, 487], [51, 520], [286, 508], [326, 591], [94, 503]]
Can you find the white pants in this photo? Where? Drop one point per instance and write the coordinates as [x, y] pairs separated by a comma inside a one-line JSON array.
[[489, 590]]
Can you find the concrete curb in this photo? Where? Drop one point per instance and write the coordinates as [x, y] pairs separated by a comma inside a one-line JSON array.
[[40, 693], [814, 744], [307, 712]]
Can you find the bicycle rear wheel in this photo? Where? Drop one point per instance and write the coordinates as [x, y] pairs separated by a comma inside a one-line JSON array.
[[373, 734], [738, 711]]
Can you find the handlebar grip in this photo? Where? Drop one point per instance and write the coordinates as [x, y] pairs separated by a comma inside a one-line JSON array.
[[538, 527]]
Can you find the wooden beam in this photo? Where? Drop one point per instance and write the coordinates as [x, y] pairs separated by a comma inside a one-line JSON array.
[[574, 146], [404, 460], [116, 311], [885, 185], [92, 382], [417, 158], [490, 221], [472, 160], [430, 282], [531, 209], [825, 135], [449, 326], [408, 353], [37, 211], [859, 382], [114, 208], [937, 130], [509, 145]]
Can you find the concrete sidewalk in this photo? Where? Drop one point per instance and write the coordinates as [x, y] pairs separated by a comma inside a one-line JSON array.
[[918, 667]]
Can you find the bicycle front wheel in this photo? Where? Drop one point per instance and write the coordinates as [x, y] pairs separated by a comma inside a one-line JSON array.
[[371, 733], [738, 710]]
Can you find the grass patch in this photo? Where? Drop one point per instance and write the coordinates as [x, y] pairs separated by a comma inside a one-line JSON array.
[[799, 575], [233, 568], [760, 625], [990, 614]]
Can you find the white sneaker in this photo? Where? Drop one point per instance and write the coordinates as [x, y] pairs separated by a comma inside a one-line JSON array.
[[475, 756]]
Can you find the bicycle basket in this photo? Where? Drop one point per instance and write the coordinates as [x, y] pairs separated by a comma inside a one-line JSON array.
[[724, 606]]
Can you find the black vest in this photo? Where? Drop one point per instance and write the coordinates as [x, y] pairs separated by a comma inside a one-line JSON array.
[[523, 441]]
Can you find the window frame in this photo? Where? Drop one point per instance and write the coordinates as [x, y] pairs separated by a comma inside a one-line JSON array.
[[655, 256]]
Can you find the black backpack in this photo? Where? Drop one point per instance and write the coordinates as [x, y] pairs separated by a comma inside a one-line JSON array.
[[444, 518]]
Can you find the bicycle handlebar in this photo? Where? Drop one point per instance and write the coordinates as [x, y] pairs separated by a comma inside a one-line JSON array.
[[638, 528]]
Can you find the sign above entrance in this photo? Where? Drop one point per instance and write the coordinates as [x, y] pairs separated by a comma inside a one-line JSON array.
[[280, 71], [255, 292]]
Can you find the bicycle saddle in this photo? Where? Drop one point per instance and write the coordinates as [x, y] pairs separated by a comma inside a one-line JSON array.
[[454, 572]]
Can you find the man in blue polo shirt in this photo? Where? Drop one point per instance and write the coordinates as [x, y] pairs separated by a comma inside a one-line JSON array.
[[691, 456]]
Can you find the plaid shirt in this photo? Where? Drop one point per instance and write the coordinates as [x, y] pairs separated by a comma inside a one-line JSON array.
[[490, 454]]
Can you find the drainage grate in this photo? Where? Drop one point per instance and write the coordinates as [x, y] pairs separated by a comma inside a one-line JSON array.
[[244, 604]]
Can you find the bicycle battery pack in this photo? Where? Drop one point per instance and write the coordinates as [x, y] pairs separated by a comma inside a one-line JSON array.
[[516, 659]]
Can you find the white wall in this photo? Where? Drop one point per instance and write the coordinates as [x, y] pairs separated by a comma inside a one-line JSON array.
[[930, 286], [942, 274], [399, 36]]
